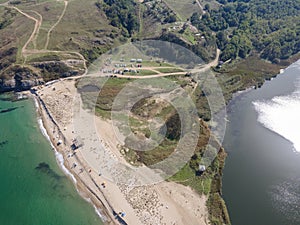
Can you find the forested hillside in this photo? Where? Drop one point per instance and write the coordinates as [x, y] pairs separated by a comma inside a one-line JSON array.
[[122, 14], [270, 27]]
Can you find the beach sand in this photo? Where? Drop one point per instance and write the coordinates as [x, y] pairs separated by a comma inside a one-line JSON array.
[[161, 203]]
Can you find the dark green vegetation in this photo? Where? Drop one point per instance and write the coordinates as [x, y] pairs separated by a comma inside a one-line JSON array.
[[122, 14], [251, 30], [169, 70], [242, 74], [256, 39], [142, 114], [7, 18], [7, 57], [208, 182], [271, 28], [82, 32], [107, 95]]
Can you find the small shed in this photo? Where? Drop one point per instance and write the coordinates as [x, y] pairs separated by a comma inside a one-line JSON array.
[[202, 168]]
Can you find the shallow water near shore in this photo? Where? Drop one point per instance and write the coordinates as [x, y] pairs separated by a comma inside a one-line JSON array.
[[261, 183], [33, 189]]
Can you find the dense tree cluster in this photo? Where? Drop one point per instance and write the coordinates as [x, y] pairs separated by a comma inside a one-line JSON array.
[[122, 14], [270, 27], [160, 11]]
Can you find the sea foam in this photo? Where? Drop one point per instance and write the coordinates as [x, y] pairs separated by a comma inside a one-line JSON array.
[[59, 156], [281, 114], [60, 159]]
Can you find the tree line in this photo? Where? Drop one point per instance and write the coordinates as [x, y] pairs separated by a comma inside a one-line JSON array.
[[122, 14], [269, 27]]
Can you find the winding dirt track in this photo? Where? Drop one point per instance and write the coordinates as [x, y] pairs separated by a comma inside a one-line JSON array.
[[200, 6], [159, 74], [57, 22], [34, 35], [37, 26]]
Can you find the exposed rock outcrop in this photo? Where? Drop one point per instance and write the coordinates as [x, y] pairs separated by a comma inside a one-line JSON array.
[[19, 78]]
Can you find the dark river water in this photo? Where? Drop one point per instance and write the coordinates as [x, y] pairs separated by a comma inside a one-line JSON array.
[[261, 183]]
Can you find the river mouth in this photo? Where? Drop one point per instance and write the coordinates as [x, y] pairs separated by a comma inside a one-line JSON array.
[[262, 172]]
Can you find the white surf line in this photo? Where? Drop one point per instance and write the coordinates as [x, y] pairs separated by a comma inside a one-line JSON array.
[[103, 213], [58, 156], [57, 22], [60, 160]]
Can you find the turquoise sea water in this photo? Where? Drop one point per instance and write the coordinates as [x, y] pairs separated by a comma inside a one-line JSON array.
[[31, 194]]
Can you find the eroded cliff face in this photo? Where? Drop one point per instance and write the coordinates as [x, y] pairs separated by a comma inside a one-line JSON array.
[[15, 77], [21, 77], [18, 78]]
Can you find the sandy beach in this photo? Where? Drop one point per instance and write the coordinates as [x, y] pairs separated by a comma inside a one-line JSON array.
[[161, 203]]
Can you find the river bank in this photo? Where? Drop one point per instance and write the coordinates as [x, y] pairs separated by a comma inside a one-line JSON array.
[[260, 183], [55, 104]]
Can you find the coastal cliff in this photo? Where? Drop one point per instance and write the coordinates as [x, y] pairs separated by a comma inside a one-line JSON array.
[[31, 57], [19, 79]]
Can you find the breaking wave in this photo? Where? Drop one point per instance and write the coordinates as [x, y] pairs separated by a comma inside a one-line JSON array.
[[59, 156], [281, 114]]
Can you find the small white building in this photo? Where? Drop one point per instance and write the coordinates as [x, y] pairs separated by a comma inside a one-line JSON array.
[[202, 168]]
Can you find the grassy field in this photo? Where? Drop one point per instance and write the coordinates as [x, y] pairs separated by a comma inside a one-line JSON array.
[[80, 27], [243, 74], [169, 70], [83, 28], [183, 8], [208, 183], [50, 12], [156, 64], [141, 72], [187, 176], [42, 57], [17, 32], [107, 94], [212, 3], [145, 72]]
